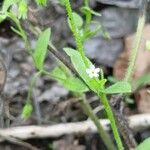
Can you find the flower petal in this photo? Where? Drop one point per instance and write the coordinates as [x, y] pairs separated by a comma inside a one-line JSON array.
[[96, 75], [92, 67], [88, 71], [97, 70], [91, 75]]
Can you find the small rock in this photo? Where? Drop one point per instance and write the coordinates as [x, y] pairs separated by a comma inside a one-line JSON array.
[[104, 51], [118, 21], [53, 94], [122, 3]]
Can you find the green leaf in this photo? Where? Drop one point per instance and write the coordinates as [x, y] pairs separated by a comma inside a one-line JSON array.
[[148, 45], [16, 31], [71, 83], [7, 4], [112, 79], [145, 145], [141, 81], [61, 2], [23, 9], [86, 9], [90, 33], [77, 19], [58, 73], [41, 2], [119, 87], [27, 111], [74, 84], [41, 48], [2, 17], [80, 67]]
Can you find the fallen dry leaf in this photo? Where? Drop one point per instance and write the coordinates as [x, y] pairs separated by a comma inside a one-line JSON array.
[[142, 65], [143, 100]]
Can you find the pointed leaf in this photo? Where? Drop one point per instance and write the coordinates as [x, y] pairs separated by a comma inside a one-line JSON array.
[[41, 2], [71, 83], [7, 4], [76, 85], [145, 145], [27, 110], [23, 9], [41, 48], [77, 20], [58, 73], [61, 2], [80, 67], [119, 87]]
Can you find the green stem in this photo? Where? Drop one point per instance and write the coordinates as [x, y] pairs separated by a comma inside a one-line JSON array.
[[75, 31], [20, 31], [88, 110], [136, 44], [32, 84], [110, 115], [86, 3]]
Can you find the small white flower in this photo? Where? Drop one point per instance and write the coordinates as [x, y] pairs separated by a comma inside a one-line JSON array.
[[93, 72]]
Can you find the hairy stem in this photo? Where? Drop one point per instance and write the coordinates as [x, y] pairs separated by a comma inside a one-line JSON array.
[[88, 110], [137, 41], [75, 31], [112, 120]]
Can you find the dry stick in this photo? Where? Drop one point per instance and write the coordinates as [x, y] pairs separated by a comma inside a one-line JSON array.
[[19, 142], [122, 123], [37, 109], [136, 122], [3, 75]]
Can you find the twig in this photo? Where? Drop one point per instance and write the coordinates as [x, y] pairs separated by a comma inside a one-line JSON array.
[[37, 109], [19, 142], [3, 75], [122, 123], [137, 123]]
